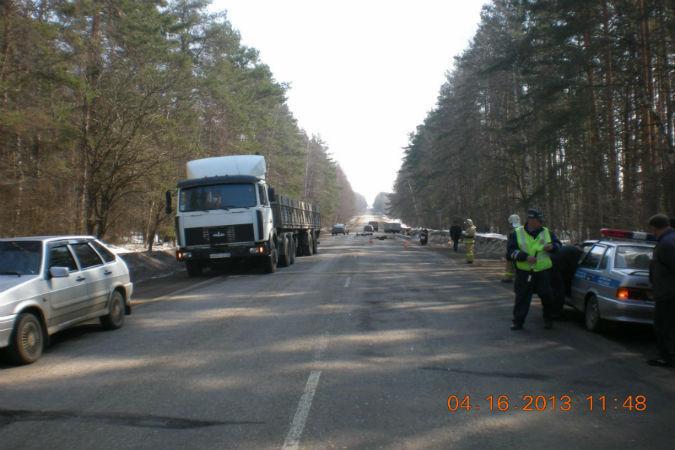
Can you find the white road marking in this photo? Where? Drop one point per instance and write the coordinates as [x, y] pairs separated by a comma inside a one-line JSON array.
[[348, 282], [292, 441]]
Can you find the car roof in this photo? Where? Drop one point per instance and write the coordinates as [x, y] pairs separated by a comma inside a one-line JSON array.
[[626, 242], [45, 238]]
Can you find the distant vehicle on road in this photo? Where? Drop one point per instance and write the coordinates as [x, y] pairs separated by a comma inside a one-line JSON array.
[[375, 224], [339, 228], [368, 229], [51, 283], [612, 280], [226, 212], [392, 227]]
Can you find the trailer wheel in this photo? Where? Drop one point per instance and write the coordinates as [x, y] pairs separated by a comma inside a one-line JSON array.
[[292, 247], [284, 256], [309, 246], [272, 259], [315, 243]]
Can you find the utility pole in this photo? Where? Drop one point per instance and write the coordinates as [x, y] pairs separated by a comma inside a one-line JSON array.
[[307, 169]]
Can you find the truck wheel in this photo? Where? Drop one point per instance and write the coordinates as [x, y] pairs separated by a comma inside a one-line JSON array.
[[315, 244], [292, 248], [27, 341], [284, 256], [272, 259], [193, 269], [309, 246]]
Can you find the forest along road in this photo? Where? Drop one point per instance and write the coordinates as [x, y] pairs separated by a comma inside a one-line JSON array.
[[356, 347]]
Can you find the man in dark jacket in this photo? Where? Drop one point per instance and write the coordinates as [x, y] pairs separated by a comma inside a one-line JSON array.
[[455, 234], [530, 249], [662, 276], [565, 262]]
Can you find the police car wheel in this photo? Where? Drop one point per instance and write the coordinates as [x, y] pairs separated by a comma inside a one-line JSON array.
[[592, 314]]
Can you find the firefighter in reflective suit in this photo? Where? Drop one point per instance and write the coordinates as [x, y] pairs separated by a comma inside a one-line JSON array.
[[530, 248], [469, 239]]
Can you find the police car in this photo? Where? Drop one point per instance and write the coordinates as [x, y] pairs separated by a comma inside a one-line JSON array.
[[612, 279]]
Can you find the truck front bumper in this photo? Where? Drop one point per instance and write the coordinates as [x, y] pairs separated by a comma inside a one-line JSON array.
[[223, 253]]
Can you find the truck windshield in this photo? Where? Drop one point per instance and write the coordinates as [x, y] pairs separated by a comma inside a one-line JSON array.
[[635, 258], [20, 257], [219, 196]]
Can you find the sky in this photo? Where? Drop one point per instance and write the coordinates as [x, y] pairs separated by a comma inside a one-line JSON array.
[[363, 73]]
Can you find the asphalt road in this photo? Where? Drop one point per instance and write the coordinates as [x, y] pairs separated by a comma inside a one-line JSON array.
[[356, 347]]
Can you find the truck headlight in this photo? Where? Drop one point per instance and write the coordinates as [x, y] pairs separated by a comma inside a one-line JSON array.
[[181, 255]]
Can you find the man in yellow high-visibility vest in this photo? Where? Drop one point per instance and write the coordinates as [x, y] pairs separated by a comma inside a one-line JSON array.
[[530, 248]]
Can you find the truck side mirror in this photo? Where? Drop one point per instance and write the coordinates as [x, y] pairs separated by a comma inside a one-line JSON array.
[[168, 207], [272, 195]]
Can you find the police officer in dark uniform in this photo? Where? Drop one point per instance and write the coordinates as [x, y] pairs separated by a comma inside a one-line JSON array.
[[565, 262], [530, 248], [662, 276]]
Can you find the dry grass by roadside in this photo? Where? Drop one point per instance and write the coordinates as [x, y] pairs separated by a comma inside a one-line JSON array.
[[145, 266]]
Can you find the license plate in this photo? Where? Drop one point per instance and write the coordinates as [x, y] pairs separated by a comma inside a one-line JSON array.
[[220, 255]]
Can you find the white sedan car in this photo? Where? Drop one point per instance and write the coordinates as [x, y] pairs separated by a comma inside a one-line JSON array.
[[51, 283]]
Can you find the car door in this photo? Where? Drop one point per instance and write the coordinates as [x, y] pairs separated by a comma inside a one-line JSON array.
[[586, 274], [97, 278], [603, 282], [113, 270], [66, 295]]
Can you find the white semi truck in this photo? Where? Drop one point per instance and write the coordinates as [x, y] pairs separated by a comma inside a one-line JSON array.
[[227, 212]]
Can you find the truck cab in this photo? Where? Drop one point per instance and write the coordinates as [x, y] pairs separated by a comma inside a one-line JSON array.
[[225, 212]]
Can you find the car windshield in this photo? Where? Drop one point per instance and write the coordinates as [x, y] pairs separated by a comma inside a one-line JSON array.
[[219, 196], [633, 257], [20, 257]]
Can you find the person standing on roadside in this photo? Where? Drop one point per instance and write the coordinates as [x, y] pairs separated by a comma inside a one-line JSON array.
[[469, 239], [509, 269], [455, 234], [530, 249], [662, 276]]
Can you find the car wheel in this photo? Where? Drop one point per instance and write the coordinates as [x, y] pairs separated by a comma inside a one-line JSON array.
[[592, 314], [193, 269], [115, 317], [27, 341]]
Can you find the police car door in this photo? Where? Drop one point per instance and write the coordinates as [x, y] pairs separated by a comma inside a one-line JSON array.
[[586, 274]]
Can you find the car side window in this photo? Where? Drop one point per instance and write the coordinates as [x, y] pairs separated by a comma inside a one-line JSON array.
[[604, 264], [61, 257], [106, 254], [593, 257], [86, 255]]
